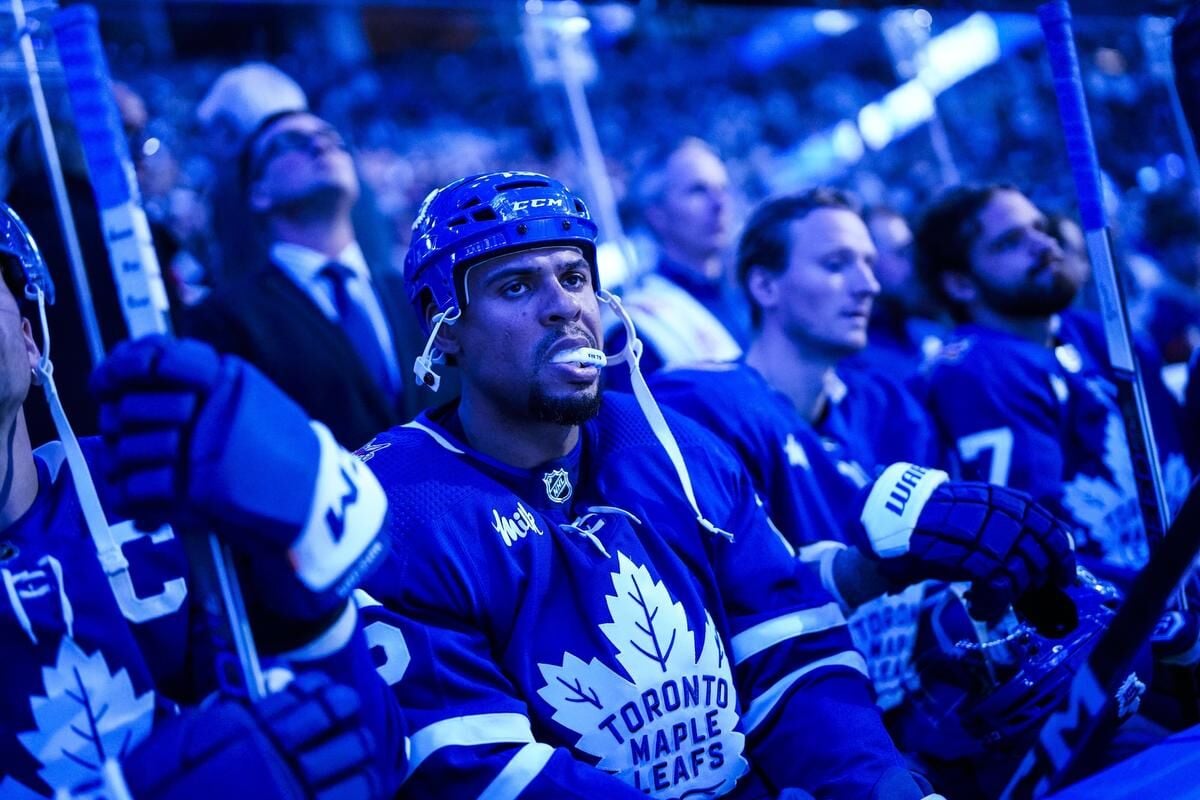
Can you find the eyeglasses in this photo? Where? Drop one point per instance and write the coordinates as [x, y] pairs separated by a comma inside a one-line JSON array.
[[295, 141]]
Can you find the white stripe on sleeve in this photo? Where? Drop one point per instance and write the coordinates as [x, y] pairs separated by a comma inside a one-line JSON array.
[[467, 731], [770, 633], [518, 773], [762, 705]]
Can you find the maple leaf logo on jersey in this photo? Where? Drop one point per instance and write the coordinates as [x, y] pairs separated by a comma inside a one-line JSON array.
[[368, 450], [1109, 508], [666, 726], [87, 715]]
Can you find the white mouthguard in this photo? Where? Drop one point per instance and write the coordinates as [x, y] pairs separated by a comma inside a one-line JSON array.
[[584, 356]]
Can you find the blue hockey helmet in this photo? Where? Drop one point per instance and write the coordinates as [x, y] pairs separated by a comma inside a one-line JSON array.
[[989, 692], [17, 243], [478, 218]]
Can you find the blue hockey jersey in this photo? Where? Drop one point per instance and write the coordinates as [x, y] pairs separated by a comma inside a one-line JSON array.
[[1045, 420], [809, 493], [81, 681], [874, 420], [91, 663], [572, 631]]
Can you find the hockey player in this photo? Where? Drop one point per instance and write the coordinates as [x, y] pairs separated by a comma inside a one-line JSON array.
[[905, 330], [1023, 397], [586, 595], [96, 619], [805, 262]]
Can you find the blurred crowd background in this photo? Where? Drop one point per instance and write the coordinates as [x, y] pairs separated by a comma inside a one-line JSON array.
[[891, 103]]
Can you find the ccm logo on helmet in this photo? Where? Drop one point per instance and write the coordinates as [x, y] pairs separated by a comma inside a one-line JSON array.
[[540, 202]]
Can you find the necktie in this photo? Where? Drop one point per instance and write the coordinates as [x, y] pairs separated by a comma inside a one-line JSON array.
[[357, 324]]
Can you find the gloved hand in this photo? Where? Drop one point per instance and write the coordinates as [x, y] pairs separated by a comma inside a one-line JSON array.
[[203, 440], [301, 743], [921, 526]]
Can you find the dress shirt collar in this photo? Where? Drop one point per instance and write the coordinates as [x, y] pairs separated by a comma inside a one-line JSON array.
[[304, 263]]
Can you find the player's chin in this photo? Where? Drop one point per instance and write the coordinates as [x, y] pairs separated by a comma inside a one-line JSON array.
[[853, 339], [565, 407]]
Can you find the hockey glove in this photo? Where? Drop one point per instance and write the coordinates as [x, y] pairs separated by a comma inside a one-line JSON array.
[[922, 527], [302, 743], [203, 440]]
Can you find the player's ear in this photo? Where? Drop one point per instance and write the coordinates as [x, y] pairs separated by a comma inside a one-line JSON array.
[[959, 286], [447, 335], [763, 287], [32, 353]]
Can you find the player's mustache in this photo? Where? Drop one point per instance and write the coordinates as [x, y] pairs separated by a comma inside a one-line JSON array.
[[1047, 259]]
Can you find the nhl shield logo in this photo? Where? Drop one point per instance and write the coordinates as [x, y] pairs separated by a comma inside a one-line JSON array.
[[558, 485]]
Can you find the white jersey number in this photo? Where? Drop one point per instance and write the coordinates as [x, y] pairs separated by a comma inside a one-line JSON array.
[[998, 442]]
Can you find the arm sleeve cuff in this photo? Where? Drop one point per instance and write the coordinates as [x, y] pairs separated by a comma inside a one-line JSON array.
[[894, 505], [341, 537]]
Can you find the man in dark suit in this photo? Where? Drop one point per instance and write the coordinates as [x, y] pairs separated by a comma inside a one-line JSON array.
[[315, 318]]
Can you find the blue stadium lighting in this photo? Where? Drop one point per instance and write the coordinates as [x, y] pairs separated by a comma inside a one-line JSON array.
[[875, 126], [959, 52], [833, 22], [948, 58], [847, 142]]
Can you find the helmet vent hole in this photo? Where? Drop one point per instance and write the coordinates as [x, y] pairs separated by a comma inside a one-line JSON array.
[[459, 220], [483, 214], [471, 201], [522, 228], [508, 187]]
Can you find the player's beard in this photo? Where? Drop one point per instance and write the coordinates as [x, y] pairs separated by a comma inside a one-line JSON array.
[[1028, 299], [573, 410]]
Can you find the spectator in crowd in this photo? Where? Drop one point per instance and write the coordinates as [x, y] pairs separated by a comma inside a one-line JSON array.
[[687, 308], [320, 322], [233, 108]]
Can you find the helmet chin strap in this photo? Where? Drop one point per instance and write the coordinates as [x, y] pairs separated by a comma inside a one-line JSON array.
[[631, 354], [423, 366], [115, 565]]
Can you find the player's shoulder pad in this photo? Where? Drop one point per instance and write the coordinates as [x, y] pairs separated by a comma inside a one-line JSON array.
[[432, 485], [626, 438], [716, 384]]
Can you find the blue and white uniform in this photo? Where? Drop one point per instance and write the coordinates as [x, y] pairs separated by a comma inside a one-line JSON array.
[[811, 487], [874, 420], [572, 630], [83, 682], [92, 663], [1045, 420]]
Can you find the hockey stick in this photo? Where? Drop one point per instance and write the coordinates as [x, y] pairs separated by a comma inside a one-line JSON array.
[[66, 219], [140, 288], [1055, 18], [1069, 733]]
